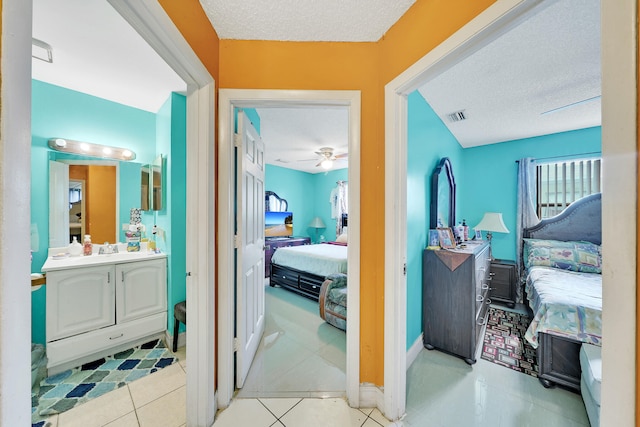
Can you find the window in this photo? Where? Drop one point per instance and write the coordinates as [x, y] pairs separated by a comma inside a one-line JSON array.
[[561, 183]]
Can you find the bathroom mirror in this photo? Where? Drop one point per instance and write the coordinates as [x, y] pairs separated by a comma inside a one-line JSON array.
[[152, 185], [443, 195], [96, 194], [145, 184]]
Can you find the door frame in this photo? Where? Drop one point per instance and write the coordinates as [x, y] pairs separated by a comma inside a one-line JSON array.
[[228, 99], [150, 20], [620, 193]]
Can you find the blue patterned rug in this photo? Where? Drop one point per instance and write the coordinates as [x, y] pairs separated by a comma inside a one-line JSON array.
[[67, 389]]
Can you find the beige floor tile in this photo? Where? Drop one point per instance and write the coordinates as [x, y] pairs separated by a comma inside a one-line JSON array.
[[245, 412], [168, 411], [372, 423], [129, 420], [157, 384], [181, 354], [377, 416], [52, 421], [99, 411], [279, 407], [321, 413]]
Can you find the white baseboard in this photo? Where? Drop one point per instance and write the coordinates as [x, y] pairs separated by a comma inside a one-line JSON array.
[[182, 339], [414, 351], [371, 396]]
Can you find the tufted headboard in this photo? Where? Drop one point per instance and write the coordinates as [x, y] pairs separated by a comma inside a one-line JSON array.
[[581, 221]]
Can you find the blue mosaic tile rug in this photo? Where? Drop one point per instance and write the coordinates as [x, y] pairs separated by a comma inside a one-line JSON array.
[[67, 389]]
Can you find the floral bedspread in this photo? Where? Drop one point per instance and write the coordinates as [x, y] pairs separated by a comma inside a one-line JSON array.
[[565, 303]]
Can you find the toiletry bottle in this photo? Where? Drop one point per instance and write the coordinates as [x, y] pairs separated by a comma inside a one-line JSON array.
[[466, 229], [88, 247], [75, 248], [460, 232]]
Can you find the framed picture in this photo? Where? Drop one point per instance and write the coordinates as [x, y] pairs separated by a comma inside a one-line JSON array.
[[478, 235], [434, 240], [446, 238]]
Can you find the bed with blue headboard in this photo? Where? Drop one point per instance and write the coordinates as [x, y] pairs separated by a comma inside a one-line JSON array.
[[561, 267]]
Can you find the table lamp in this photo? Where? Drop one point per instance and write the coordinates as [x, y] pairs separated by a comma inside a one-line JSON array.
[[491, 222], [317, 223]]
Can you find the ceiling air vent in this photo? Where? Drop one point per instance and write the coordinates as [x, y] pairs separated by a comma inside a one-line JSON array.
[[457, 116]]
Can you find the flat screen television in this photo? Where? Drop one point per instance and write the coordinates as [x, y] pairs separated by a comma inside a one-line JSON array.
[[278, 224]]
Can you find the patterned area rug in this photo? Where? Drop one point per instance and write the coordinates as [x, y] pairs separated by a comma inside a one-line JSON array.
[[67, 389], [504, 342]]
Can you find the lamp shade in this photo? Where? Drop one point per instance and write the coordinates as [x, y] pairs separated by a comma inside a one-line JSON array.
[[492, 221], [317, 223]]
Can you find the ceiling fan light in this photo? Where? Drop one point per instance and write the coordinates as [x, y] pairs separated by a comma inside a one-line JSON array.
[[326, 164]]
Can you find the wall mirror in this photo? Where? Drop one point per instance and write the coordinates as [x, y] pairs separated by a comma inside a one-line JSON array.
[[443, 195], [152, 185], [85, 197]]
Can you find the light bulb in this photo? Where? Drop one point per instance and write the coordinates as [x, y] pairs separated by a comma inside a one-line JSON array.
[[326, 164], [60, 142]]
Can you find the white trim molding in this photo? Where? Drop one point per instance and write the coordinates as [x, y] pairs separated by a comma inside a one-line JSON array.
[[249, 98], [414, 351], [150, 20], [15, 214]]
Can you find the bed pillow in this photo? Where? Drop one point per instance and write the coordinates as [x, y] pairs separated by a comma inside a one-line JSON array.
[[342, 238], [583, 257]]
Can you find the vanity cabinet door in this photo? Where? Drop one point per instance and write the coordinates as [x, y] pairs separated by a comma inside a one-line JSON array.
[[141, 289], [79, 300]]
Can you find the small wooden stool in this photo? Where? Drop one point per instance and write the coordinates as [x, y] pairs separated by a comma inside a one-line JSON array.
[[180, 314]]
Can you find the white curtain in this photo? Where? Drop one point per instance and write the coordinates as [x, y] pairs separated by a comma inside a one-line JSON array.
[[339, 204], [526, 212]]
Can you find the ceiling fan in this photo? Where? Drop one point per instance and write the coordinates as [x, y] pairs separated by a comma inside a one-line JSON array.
[[327, 157]]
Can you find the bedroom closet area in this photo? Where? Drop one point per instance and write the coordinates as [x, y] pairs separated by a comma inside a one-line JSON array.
[[305, 154]]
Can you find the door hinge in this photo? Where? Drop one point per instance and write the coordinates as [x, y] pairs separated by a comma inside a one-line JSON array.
[[236, 344], [236, 241], [404, 269], [237, 140]]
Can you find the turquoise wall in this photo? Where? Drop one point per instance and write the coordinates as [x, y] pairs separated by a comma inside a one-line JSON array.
[[294, 186], [490, 173], [486, 179], [59, 112], [429, 140], [308, 197], [172, 140]]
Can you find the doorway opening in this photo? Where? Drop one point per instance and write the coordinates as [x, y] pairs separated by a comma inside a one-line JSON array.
[[229, 99], [619, 155]]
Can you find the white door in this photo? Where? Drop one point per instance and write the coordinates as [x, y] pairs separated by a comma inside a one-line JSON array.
[[141, 289], [250, 245], [58, 204]]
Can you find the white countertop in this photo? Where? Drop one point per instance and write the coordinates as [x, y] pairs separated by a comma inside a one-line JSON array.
[[91, 260]]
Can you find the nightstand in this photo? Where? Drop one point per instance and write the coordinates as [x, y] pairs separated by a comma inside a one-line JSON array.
[[503, 282]]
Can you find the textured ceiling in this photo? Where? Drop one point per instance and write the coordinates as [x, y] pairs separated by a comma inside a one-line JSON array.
[[304, 20], [293, 135], [550, 61]]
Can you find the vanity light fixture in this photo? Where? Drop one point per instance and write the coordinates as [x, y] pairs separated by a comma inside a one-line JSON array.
[[90, 149]]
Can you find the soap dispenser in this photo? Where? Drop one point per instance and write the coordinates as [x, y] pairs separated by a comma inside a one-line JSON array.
[[75, 248]]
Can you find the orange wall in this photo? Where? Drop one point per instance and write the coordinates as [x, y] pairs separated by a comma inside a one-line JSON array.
[[101, 204], [348, 66]]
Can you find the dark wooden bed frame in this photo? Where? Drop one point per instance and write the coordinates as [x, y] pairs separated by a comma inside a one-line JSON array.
[[301, 282], [558, 357]]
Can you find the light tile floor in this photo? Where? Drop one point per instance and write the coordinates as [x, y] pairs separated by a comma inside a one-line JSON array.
[[442, 391]]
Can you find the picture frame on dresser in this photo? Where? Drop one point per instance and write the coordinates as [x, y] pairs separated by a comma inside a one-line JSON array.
[[446, 238]]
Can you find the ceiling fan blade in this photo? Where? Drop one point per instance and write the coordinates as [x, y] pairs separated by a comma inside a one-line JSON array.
[[342, 156], [319, 163]]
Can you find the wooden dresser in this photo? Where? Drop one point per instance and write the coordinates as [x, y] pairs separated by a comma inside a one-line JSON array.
[[455, 299], [273, 243]]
